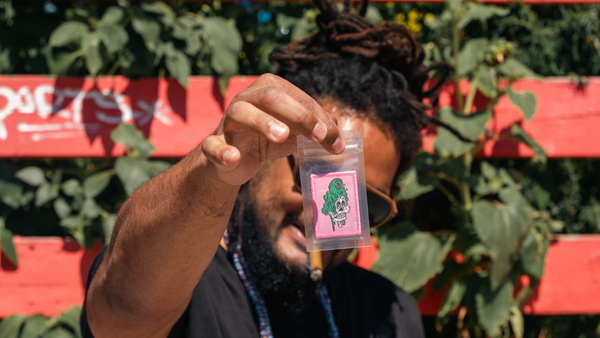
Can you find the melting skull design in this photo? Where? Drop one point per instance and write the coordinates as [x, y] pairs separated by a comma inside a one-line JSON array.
[[336, 203]]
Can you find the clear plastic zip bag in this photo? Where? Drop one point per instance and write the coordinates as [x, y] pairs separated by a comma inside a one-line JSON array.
[[334, 194]]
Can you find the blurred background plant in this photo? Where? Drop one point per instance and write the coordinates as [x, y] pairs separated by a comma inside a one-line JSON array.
[[490, 46]]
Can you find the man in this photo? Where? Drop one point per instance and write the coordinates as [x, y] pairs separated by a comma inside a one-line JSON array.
[[169, 271]]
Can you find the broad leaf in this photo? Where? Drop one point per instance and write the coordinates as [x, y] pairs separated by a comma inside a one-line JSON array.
[[112, 16], [517, 132], [481, 12], [453, 297], [35, 326], [303, 28], [114, 37], [45, 193], [517, 323], [72, 187], [108, 224], [71, 319], [59, 332], [68, 32], [62, 208], [72, 222], [95, 184], [226, 43], [162, 9], [493, 307], [90, 45], [502, 227], [373, 14], [488, 170], [31, 175], [411, 185], [526, 102], [90, 208], [130, 136], [10, 326], [156, 167], [487, 78], [514, 69], [532, 254], [149, 29], [8, 246], [179, 66], [469, 55], [470, 126], [409, 257], [132, 173], [61, 62], [11, 194]]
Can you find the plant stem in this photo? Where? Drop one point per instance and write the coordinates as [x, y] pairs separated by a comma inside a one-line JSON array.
[[456, 49], [472, 91], [113, 69]]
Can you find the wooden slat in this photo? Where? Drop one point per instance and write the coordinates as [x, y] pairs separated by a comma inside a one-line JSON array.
[[72, 117], [52, 274]]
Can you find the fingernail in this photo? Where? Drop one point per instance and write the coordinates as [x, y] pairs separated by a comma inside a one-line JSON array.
[[338, 146], [227, 156], [320, 131], [277, 129]]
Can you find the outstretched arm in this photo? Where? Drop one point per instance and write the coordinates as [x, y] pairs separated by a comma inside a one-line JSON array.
[[168, 231]]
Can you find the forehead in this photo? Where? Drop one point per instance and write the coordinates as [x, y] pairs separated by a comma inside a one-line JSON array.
[[380, 151]]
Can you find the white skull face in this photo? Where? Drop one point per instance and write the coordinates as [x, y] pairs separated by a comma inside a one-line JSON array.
[[341, 208]]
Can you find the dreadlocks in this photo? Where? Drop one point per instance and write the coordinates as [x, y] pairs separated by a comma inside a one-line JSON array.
[[367, 67]]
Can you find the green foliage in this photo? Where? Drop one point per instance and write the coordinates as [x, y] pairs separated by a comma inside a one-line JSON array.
[[64, 326]]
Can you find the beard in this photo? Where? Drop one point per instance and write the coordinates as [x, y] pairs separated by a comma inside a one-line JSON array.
[[282, 286]]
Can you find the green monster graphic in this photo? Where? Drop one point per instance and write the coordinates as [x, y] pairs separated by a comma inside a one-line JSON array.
[[336, 203]]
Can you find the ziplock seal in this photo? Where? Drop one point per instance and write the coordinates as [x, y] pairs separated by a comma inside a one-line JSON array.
[[334, 194]]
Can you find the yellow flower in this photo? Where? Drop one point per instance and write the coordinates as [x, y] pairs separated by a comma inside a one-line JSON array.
[[400, 18], [389, 4], [242, 55], [413, 15]]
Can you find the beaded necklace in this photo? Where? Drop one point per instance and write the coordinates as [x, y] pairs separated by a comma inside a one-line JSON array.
[[264, 323]]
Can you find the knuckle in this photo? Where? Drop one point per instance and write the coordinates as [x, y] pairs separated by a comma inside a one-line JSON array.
[[268, 78], [235, 109], [271, 95]]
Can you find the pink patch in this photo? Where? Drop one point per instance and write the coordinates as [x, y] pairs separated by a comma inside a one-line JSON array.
[[342, 215]]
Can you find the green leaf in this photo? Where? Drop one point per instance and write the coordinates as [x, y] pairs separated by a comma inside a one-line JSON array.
[[90, 45], [470, 54], [59, 332], [487, 78], [412, 185], [488, 170], [502, 227], [517, 323], [8, 246], [132, 173], [130, 136], [532, 254], [481, 12], [45, 193], [148, 29], [61, 207], [226, 44], [72, 222], [526, 102], [591, 213], [11, 194], [518, 133], [60, 63], [162, 9], [373, 14], [179, 66], [95, 184], [90, 208], [186, 29], [303, 28], [71, 319], [33, 176], [453, 297], [114, 37], [10, 326], [514, 69], [72, 187], [409, 257], [108, 224], [68, 32], [470, 126], [112, 16], [35, 326], [493, 307]]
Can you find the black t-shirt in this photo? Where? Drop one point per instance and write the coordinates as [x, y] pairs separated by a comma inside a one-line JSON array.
[[364, 305]]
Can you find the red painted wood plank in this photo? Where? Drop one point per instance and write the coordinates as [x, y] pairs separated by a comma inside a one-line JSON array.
[[73, 117], [51, 277]]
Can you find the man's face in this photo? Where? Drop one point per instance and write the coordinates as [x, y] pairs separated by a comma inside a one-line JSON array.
[[278, 204]]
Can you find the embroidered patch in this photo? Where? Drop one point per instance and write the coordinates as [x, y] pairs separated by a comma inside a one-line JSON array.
[[335, 204]]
